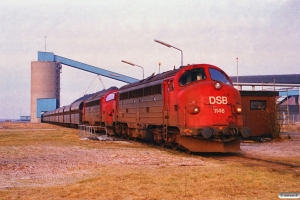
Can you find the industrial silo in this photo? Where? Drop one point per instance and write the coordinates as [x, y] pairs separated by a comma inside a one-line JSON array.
[[45, 88]]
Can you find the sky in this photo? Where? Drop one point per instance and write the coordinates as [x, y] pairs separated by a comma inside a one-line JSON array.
[[263, 34]]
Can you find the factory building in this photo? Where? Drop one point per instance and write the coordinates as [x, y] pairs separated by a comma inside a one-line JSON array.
[[45, 82], [45, 88]]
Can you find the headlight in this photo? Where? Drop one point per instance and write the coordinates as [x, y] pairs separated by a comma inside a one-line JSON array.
[[218, 85], [193, 109], [238, 110]]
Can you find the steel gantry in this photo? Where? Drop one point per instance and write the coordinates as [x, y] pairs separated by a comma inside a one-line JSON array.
[[51, 57]]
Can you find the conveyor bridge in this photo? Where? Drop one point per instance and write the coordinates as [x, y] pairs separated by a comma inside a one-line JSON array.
[[51, 57]]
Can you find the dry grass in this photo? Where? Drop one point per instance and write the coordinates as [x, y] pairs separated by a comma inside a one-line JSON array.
[[291, 127], [123, 182], [117, 170]]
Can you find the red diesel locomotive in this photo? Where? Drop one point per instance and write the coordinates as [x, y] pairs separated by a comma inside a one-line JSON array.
[[194, 107]]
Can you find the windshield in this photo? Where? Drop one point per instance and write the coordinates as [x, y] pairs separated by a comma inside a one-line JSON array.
[[219, 76], [192, 76]]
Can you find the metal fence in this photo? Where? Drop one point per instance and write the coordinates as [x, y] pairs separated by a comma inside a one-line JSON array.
[[289, 119], [289, 114], [87, 131]]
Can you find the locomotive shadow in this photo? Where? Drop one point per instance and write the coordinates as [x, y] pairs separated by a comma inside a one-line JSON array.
[[216, 154]]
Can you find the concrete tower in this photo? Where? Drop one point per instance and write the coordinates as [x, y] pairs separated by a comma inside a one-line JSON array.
[[45, 88]]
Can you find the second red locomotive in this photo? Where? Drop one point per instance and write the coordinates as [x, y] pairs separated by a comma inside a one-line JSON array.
[[194, 107]]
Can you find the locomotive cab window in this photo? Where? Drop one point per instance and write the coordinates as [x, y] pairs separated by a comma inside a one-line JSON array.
[[192, 76], [110, 97], [217, 75], [257, 105]]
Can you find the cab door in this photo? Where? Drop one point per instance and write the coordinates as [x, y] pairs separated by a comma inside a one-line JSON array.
[[109, 112], [170, 104], [108, 109], [166, 103]]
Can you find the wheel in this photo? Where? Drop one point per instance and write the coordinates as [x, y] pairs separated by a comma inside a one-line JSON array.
[[174, 147], [188, 151]]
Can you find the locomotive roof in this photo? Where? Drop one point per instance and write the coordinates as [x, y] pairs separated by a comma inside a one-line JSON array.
[[94, 95], [150, 79], [84, 97], [160, 76], [99, 94]]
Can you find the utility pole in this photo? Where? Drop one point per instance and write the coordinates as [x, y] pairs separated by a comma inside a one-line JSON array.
[[237, 73], [45, 42], [170, 46]]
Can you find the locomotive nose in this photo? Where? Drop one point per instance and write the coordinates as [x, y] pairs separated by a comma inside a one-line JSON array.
[[246, 132]]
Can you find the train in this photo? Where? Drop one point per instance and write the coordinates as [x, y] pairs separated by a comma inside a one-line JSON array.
[[194, 107]]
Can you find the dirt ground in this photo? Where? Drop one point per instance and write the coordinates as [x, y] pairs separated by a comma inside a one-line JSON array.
[[48, 165], [284, 148]]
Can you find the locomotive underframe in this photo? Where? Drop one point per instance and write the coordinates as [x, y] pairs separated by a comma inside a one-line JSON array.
[[223, 140], [219, 132]]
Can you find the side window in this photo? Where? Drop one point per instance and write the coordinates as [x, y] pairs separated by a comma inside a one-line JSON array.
[[257, 105], [110, 97], [124, 95], [192, 76]]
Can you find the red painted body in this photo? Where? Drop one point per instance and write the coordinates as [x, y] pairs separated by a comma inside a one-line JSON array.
[[217, 106], [109, 108], [194, 107]]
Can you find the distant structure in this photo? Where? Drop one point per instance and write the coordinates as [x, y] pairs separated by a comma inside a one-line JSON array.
[[45, 88], [45, 81], [25, 118], [279, 80]]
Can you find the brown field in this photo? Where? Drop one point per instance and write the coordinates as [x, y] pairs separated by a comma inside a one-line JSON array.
[[42, 161]]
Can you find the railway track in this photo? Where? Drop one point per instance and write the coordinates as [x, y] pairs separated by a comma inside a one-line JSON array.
[[252, 161], [240, 157], [271, 161]]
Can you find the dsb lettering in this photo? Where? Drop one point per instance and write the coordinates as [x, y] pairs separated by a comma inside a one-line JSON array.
[[218, 100]]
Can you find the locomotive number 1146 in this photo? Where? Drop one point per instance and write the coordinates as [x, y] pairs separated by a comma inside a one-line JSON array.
[[219, 110]]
